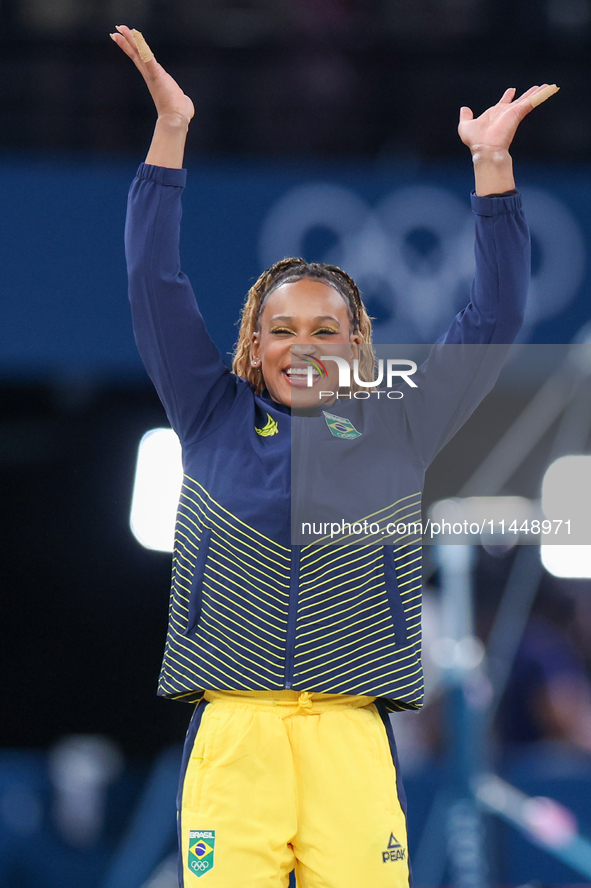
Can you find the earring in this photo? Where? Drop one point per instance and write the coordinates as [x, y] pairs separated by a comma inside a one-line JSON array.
[[255, 363]]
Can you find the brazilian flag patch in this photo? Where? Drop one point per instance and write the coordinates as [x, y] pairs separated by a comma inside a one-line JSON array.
[[201, 848], [341, 427]]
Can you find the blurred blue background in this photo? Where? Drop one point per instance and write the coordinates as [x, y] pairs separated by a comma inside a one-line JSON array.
[[325, 128]]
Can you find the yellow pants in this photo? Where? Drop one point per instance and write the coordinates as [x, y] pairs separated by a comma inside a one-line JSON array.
[[273, 780]]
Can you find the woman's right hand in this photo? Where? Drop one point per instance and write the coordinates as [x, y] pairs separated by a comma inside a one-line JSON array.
[[167, 94]]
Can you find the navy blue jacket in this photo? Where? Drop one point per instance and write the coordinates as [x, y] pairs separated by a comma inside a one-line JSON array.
[[249, 610]]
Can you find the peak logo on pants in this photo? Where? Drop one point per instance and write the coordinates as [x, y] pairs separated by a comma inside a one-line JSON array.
[[394, 851], [201, 848]]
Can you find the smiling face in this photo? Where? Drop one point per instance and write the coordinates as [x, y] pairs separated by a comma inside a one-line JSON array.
[[305, 317]]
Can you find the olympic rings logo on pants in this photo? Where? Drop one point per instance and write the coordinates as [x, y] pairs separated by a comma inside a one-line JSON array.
[[199, 865]]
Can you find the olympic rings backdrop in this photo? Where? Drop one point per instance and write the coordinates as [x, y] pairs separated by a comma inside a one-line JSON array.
[[404, 232]]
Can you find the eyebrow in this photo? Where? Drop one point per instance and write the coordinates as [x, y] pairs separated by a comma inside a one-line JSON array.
[[319, 318]]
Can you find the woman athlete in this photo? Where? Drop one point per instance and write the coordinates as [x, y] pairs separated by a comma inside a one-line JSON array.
[[294, 655]]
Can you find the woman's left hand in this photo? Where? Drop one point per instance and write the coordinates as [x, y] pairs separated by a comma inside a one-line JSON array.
[[496, 127]]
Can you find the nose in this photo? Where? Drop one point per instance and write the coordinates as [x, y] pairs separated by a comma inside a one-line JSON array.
[[300, 349]]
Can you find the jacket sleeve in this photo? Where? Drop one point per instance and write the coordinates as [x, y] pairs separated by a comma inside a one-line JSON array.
[[465, 363], [182, 361]]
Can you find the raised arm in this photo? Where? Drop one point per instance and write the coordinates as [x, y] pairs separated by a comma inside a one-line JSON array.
[[464, 365], [499, 290], [194, 385]]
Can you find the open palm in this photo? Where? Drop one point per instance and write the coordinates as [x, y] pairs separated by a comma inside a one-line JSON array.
[[496, 127]]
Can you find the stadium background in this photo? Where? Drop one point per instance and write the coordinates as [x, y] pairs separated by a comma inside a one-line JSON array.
[[301, 104]]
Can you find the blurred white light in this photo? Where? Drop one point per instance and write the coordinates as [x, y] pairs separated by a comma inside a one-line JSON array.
[[156, 489], [80, 768], [566, 495], [549, 821], [566, 488], [567, 561], [464, 653]]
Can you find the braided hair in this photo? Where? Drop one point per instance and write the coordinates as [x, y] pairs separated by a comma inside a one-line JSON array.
[[288, 271]]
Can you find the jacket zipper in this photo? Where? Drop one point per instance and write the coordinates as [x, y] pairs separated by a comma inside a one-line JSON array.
[[292, 614], [302, 434]]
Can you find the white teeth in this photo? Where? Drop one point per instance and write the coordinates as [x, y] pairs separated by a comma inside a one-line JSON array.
[[301, 371]]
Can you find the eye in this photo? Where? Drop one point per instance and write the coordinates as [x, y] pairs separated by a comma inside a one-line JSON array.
[[327, 331], [282, 330]]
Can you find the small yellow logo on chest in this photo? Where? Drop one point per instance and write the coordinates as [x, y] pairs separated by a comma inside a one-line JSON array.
[[270, 428]]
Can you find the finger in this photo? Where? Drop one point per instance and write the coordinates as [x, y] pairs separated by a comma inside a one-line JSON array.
[[127, 39], [466, 114], [534, 97], [508, 95], [140, 52], [122, 43], [122, 37], [527, 93], [544, 93], [125, 32], [144, 50]]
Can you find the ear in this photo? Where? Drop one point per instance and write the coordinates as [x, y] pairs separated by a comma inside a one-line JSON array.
[[355, 341], [255, 344]]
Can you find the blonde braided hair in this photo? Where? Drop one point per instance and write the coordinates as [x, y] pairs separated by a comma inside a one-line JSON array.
[[288, 271]]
